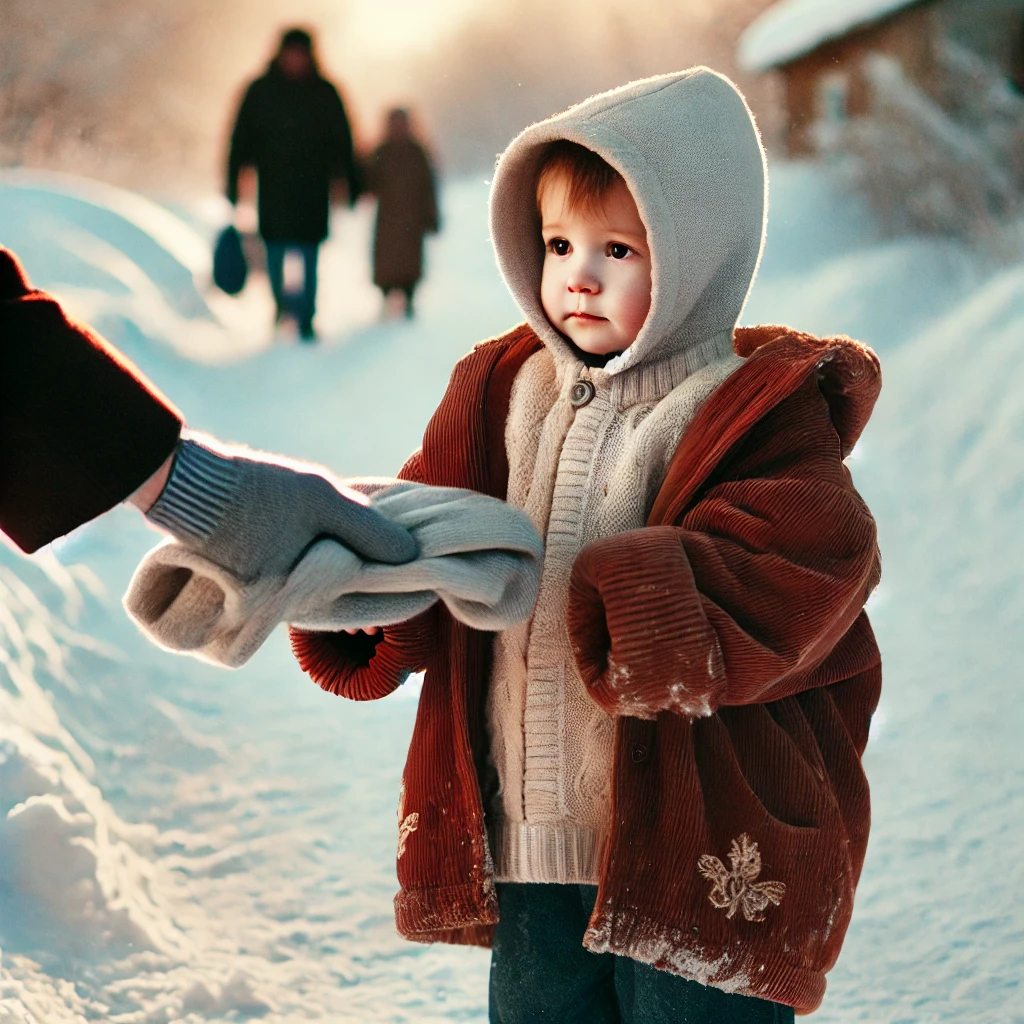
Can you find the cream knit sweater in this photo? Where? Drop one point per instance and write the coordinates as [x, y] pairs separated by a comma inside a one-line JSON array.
[[689, 152]]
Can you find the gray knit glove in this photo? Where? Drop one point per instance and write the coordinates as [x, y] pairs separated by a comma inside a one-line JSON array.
[[257, 517]]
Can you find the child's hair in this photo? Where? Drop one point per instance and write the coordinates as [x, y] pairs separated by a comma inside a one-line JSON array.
[[588, 177]]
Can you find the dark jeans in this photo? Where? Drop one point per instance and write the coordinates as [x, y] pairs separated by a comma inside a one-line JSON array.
[[301, 305], [541, 972]]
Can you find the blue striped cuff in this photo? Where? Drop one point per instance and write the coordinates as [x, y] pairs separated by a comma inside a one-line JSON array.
[[201, 486]]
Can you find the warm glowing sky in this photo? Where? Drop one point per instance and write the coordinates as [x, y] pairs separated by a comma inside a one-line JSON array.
[[373, 30], [363, 42], [395, 26]]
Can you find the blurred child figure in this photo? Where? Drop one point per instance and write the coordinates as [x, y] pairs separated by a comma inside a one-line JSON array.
[[399, 174], [648, 799]]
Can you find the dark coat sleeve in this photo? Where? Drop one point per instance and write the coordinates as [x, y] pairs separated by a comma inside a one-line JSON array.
[[242, 150], [371, 173], [80, 427], [742, 600], [340, 153]]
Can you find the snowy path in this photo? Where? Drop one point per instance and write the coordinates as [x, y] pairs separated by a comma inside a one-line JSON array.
[[256, 876]]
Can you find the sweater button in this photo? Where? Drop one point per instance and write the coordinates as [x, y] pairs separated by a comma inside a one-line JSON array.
[[638, 753], [582, 393]]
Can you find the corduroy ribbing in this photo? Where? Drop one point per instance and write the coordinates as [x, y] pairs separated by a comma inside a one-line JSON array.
[[198, 492], [758, 969]]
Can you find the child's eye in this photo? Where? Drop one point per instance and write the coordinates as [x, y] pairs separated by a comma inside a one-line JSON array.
[[559, 246], [618, 251]]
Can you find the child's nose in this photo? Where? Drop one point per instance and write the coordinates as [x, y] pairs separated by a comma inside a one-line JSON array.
[[583, 281]]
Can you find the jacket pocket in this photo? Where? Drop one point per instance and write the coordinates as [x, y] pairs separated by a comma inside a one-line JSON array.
[[774, 758], [777, 846]]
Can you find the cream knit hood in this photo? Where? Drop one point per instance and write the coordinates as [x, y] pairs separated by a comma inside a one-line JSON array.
[[687, 146]]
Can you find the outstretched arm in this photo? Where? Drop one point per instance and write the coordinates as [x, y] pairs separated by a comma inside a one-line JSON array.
[[80, 427], [741, 600], [81, 430]]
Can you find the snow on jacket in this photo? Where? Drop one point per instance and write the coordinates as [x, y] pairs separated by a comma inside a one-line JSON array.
[[736, 837], [687, 148]]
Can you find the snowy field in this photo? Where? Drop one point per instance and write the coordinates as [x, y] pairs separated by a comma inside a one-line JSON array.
[[180, 843]]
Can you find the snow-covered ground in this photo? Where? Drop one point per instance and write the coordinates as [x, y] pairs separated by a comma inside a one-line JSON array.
[[179, 843]]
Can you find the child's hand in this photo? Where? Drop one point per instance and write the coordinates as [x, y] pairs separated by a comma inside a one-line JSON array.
[[368, 630]]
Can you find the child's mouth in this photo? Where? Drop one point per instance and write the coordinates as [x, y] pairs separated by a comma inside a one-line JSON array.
[[585, 317]]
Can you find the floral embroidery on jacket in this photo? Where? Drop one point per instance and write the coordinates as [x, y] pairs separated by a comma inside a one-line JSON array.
[[738, 889], [407, 824]]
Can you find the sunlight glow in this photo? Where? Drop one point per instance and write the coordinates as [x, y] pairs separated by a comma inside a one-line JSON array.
[[387, 27]]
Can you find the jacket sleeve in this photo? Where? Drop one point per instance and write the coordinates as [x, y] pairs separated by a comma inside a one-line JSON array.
[[340, 152], [740, 601], [364, 667], [242, 150], [80, 427]]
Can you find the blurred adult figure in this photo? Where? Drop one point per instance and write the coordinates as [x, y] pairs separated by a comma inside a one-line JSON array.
[[293, 129], [400, 175]]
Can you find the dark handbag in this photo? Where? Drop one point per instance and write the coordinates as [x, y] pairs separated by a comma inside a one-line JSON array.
[[229, 266]]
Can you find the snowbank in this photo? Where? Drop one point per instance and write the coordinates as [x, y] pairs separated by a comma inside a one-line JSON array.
[[112, 254], [936, 930], [76, 882], [791, 28]]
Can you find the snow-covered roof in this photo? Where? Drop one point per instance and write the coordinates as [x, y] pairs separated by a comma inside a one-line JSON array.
[[791, 28]]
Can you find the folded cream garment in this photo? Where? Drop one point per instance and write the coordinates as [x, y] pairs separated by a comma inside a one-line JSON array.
[[478, 555]]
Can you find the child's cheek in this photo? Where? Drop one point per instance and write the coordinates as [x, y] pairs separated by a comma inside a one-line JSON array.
[[550, 291], [636, 305]]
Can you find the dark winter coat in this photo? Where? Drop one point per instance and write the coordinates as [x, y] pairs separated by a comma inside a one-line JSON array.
[[80, 427], [400, 176], [737, 839], [297, 136]]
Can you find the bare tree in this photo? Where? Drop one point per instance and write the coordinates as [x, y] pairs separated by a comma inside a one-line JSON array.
[[952, 164], [77, 80]]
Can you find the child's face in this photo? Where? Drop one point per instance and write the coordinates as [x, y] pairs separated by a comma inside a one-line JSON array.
[[596, 283]]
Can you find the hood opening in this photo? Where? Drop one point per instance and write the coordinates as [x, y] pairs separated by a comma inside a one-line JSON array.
[[689, 151]]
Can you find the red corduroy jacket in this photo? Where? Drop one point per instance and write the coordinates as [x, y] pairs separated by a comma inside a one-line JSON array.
[[738, 835]]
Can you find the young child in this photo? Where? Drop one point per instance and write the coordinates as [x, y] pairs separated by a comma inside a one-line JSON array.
[[649, 799]]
